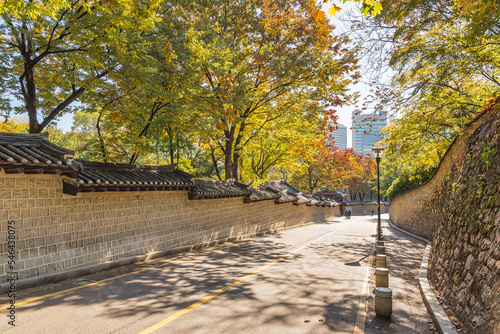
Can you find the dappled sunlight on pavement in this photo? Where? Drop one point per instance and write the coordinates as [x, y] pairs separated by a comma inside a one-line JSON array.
[[404, 256]]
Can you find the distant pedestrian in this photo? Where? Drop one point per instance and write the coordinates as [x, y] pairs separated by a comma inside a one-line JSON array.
[[346, 214], [350, 213], [372, 212]]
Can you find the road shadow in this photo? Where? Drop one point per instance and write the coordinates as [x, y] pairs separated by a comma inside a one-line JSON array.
[[160, 288]]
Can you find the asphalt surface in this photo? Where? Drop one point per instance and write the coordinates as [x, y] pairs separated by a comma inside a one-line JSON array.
[[303, 280]]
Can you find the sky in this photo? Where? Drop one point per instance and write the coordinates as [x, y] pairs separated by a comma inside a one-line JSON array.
[[345, 112]]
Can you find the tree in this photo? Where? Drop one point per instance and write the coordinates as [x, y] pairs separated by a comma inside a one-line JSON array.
[[443, 59], [260, 59], [144, 104], [54, 51], [285, 142], [360, 180]]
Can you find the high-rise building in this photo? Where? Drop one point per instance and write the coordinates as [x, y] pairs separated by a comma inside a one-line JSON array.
[[366, 131], [339, 136]]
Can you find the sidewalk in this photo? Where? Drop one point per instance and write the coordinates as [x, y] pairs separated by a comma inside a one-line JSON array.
[[409, 315]]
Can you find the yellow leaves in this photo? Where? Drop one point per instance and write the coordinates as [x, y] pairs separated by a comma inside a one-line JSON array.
[[17, 125], [33, 10], [320, 17], [168, 53], [333, 10], [371, 7]]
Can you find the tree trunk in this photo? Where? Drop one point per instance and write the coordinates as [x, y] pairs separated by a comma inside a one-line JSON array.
[[214, 163], [171, 155], [228, 153], [234, 167], [30, 100]]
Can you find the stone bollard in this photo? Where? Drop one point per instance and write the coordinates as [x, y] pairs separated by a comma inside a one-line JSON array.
[[382, 277], [380, 250], [381, 261], [380, 242], [383, 302]]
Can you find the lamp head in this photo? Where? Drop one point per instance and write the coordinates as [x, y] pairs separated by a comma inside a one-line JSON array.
[[377, 152]]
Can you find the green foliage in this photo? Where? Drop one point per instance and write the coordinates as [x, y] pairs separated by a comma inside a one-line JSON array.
[[223, 89], [398, 176], [445, 58], [54, 51], [270, 60], [487, 155]]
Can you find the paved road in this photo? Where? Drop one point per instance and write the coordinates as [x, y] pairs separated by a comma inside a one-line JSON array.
[[303, 280]]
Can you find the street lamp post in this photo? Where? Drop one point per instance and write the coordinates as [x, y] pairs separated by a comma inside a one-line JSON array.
[[377, 153]]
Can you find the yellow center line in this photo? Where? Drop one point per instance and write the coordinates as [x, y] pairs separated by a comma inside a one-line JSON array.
[[32, 300], [214, 294]]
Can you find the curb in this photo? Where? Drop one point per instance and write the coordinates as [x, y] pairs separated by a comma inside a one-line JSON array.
[[95, 268], [441, 320]]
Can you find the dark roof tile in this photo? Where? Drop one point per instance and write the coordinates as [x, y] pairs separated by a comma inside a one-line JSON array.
[[261, 193], [281, 185], [34, 153], [206, 189], [98, 176]]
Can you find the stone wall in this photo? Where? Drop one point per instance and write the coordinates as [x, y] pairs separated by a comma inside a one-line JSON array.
[[466, 250], [56, 232], [419, 209], [361, 209], [459, 209]]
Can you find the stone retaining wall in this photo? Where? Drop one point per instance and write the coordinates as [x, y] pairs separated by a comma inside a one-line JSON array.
[[459, 209], [466, 251], [419, 209], [56, 232]]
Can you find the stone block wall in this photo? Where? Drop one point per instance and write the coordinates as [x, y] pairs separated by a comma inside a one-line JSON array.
[[56, 232]]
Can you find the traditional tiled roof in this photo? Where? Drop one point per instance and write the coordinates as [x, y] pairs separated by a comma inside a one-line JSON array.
[[330, 202], [321, 203], [338, 195], [285, 197], [206, 189], [281, 185], [313, 200], [34, 154], [98, 176], [301, 199], [261, 193]]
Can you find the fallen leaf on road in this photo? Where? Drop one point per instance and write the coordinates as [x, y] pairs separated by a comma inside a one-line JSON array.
[[320, 320], [307, 320]]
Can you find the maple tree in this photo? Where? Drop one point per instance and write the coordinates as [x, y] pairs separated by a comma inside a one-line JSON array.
[[326, 167]]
